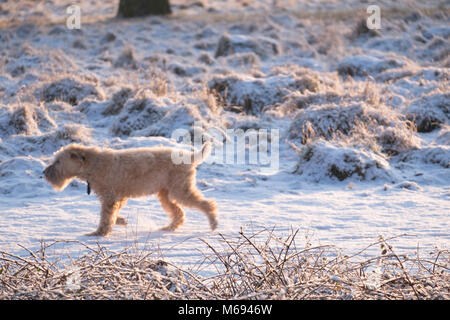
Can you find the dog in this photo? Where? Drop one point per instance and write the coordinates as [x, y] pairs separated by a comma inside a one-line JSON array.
[[116, 175]]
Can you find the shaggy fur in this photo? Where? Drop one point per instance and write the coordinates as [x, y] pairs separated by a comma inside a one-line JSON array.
[[116, 175]]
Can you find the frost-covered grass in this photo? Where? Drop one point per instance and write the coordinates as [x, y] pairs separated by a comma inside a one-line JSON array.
[[260, 265]]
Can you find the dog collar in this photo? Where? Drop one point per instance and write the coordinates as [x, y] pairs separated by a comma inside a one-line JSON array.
[[88, 188]]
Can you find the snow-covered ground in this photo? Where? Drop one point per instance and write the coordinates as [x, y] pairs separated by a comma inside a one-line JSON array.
[[364, 147]]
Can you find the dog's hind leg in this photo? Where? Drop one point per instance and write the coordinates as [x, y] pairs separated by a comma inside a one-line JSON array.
[[121, 221], [194, 199], [174, 211]]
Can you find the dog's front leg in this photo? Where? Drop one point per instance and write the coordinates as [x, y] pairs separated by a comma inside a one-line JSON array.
[[108, 216]]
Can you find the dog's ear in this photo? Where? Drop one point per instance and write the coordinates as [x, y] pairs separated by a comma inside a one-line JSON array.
[[77, 155]]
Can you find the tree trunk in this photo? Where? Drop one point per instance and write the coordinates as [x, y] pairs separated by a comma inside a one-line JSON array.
[[139, 8]]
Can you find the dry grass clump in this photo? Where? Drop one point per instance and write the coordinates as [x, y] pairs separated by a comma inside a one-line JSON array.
[[361, 30], [69, 90], [247, 94], [262, 46], [158, 82], [49, 142], [27, 119], [434, 154], [261, 265], [322, 159], [139, 111], [117, 101], [365, 65], [253, 94], [375, 127], [430, 112], [126, 59]]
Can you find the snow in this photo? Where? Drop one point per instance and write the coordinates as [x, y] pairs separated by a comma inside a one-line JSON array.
[[352, 165]]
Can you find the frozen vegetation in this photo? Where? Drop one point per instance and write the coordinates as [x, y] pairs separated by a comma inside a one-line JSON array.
[[363, 117]]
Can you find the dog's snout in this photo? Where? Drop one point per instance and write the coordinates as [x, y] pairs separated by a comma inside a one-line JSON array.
[[47, 171]]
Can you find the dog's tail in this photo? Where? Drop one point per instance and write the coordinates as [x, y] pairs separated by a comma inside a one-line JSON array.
[[200, 156]]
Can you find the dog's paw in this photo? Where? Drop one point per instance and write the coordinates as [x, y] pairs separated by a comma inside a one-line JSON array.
[[213, 224], [92, 234], [121, 221], [97, 234], [168, 228]]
